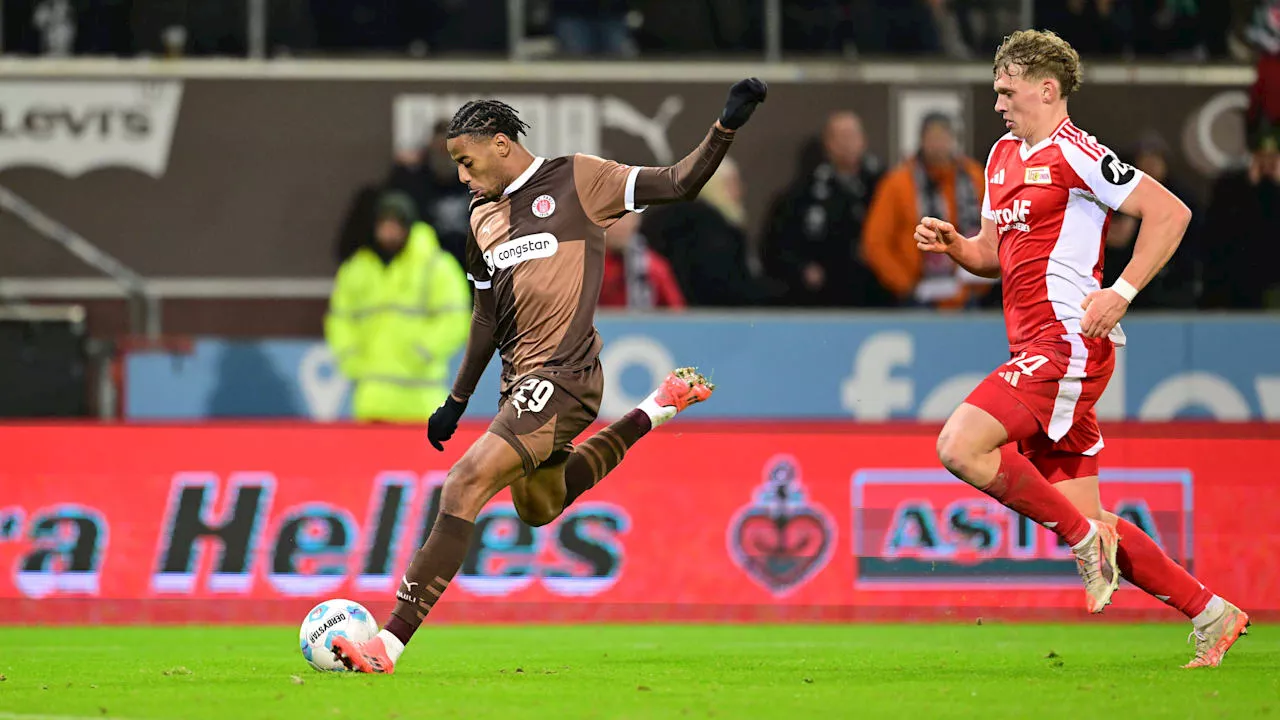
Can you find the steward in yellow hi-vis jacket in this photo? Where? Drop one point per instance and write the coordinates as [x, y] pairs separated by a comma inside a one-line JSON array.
[[400, 309]]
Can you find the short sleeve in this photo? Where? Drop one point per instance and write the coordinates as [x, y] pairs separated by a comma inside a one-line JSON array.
[[987, 172], [606, 189], [1104, 175], [986, 199]]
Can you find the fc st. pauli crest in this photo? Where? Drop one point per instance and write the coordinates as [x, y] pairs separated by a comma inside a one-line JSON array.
[[781, 539]]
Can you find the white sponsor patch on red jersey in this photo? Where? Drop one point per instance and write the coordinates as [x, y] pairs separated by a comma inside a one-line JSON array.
[[1038, 176]]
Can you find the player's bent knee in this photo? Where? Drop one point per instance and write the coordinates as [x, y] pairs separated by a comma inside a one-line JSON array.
[[465, 490], [535, 514], [464, 473], [956, 455]]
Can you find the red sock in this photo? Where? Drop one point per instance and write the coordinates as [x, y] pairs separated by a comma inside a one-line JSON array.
[[1021, 488], [1144, 564]]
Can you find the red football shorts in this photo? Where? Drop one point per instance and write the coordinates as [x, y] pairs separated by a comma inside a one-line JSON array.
[[1045, 395]]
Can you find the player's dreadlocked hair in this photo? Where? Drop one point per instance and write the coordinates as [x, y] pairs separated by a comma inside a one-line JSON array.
[[1041, 54], [486, 117]]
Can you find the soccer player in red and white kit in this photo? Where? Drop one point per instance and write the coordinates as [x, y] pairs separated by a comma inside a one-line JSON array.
[[1028, 434]]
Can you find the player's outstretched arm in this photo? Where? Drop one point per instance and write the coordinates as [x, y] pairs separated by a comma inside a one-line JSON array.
[[684, 180], [977, 254], [1164, 221]]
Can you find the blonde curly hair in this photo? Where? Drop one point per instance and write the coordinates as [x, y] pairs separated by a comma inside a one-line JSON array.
[[1040, 54]]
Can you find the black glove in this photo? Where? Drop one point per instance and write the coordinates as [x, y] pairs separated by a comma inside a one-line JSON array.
[[744, 96], [444, 421]]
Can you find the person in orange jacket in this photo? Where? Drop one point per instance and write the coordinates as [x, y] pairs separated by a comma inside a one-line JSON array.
[[937, 182]]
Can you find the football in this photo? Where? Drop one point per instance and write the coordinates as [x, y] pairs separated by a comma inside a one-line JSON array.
[[328, 620]]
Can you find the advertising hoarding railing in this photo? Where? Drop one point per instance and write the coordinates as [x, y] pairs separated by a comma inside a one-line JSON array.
[[704, 521]]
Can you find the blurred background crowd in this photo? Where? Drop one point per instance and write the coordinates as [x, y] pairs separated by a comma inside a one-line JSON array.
[[840, 235], [1198, 29]]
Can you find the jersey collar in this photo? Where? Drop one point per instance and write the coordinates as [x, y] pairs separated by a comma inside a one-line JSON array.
[[1025, 151], [524, 176]]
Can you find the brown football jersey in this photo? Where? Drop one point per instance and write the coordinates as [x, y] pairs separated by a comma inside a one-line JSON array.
[[540, 249], [539, 252]]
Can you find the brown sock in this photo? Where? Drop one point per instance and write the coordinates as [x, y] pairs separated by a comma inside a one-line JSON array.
[[429, 574], [602, 452]]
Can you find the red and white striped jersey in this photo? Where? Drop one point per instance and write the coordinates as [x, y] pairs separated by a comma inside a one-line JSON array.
[[1052, 204]]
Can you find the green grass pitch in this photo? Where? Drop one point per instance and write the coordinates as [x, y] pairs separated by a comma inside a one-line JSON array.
[[1078, 671]]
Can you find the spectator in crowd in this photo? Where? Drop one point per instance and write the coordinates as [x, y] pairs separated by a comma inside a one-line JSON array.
[[1186, 29], [1263, 34], [816, 26], [56, 21], [949, 28], [1094, 27], [1244, 214], [813, 241], [636, 277], [1178, 283], [400, 310], [691, 27], [592, 27], [601, 27], [896, 26], [841, 26], [1192, 29], [982, 24], [429, 175], [938, 182], [706, 242]]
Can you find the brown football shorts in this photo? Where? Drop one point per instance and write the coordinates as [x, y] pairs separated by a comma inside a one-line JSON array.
[[542, 412]]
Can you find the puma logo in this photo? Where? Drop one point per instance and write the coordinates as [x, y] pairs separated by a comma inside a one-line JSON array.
[[620, 114], [408, 586], [414, 115]]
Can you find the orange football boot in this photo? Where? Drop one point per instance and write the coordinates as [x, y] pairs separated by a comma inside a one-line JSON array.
[[366, 657]]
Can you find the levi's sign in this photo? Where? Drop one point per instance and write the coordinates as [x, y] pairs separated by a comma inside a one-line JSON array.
[[75, 127]]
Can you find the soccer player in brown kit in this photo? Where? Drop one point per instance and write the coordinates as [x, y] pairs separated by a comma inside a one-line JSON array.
[[535, 254]]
